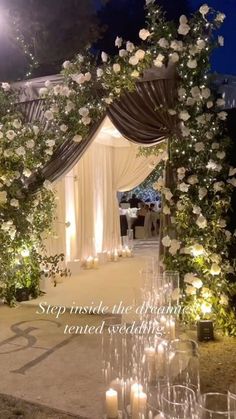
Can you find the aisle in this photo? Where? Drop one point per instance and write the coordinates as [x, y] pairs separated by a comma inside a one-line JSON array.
[[111, 283]]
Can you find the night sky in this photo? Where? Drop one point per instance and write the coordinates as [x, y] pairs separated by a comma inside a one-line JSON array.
[[224, 59]]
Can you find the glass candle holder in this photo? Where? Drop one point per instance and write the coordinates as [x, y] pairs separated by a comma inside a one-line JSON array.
[[232, 397], [215, 406], [178, 402], [183, 364]]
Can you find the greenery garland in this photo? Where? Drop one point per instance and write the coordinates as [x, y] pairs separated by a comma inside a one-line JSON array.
[[198, 241]]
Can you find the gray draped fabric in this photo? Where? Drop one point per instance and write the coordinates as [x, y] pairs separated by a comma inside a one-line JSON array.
[[142, 116]]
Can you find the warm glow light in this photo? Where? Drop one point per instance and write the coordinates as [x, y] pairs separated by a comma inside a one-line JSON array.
[[206, 308], [197, 250], [25, 253]]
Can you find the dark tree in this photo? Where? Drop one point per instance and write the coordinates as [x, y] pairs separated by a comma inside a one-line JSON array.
[[55, 30]]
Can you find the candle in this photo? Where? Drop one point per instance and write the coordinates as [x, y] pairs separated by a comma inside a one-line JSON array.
[[111, 404], [89, 262], [109, 257], [163, 324], [95, 263], [139, 404], [135, 388], [124, 253], [160, 359], [128, 252], [171, 329], [151, 361], [115, 255]]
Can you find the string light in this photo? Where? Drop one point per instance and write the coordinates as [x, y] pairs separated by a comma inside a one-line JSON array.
[[26, 49]]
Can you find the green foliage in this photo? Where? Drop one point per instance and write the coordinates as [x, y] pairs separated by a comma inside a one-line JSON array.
[[24, 216]]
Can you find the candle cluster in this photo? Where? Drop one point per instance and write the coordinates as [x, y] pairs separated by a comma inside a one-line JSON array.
[[138, 401], [91, 263]]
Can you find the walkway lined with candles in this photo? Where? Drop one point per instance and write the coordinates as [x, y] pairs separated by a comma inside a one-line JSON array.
[[111, 283]]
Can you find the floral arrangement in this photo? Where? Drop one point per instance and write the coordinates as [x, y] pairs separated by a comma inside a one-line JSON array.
[[198, 203], [24, 217]]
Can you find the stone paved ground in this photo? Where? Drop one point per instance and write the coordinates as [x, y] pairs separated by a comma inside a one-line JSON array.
[[42, 365]]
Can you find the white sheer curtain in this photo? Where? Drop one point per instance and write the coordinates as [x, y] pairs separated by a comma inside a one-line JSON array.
[[88, 198]]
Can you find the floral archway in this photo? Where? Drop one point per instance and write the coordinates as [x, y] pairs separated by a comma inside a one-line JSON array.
[[198, 180]]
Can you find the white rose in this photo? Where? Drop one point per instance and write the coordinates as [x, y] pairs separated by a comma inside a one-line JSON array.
[[84, 111], [88, 76], [232, 171], [224, 300], [202, 192], [185, 130], [211, 165], [69, 106], [180, 206], [215, 146], [167, 193], [215, 269], [181, 172], [158, 62], [66, 64], [232, 181], [48, 115], [78, 78], [206, 93], [174, 247], [204, 9], [210, 104], [184, 115], [201, 221], [123, 53], [86, 120], [133, 60], [166, 209], [192, 63], [193, 179], [220, 17], [14, 203], [6, 87], [201, 44], [16, 123], [183, 187], [206, 293], [218, 186], [116, 68], [140, 54], [172, 112], [144, 34], [27, 172], [50, 143], [77, 138], [199, 147], [159, 184], [166, 241], [129, 46], [221, 155], [99, 72], [20, 151], [30, 144], [196, 210], [10, 134], [135, 74], [181, 92], [183, 29], [221, 41], [163, 43], [196, 92], [43, 91], [197, 250], [118, 42], [220, 102], [104, 57], [176, 45], [222, 115], [174, 57], [197, 283]]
